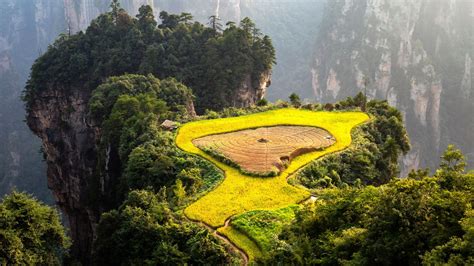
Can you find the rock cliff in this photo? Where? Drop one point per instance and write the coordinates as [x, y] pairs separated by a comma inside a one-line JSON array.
[[59, 116], [416, 54], [60, 120], [251, 91], [84, 184], [28, 27]]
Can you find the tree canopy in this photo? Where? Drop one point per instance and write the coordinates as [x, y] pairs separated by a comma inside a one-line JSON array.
[[145, 231], [31, 233], [212, 62], [405, 222]]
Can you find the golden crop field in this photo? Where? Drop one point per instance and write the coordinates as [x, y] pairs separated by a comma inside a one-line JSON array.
[[266, 150], [239, 193]]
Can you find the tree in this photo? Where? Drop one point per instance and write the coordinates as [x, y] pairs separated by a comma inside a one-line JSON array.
[[214, 23], [145, 231], [453, 161], [170, 21], [360, 100], [146, 20], [270, 53], [395, 224], [262, 102], [295, 100], [31, 233], [115, 7], [248, 26], [185, 17], [230, 24], [179, 192], [453, 164], [210, 62], [458, 251]]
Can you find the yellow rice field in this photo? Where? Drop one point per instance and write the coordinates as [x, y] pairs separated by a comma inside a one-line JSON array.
[[239, 193]]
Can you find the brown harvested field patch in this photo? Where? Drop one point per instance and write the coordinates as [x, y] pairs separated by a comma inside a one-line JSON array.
[[266, 149]]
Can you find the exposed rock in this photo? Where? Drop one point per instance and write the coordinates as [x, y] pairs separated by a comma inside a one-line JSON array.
[[333, 85], [59, 118], [466, 83], [416, 54], [251, 90], [169, 125]]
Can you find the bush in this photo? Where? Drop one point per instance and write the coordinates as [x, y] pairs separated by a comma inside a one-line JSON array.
[[328, 107], [262, 102]]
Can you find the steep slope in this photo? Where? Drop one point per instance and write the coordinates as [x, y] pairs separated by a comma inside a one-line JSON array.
[[415, 54], [28, 27], [84, 155]]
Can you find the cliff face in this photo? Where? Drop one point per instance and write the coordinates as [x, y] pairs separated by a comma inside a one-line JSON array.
[[27, 28], [251, 91], [60, 120], [58, 115], [416, 54]]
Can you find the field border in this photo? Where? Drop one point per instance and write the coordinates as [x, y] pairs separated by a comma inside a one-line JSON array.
[[290, 173]]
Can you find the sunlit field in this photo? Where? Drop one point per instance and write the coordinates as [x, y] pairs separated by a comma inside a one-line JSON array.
[[239, 193]]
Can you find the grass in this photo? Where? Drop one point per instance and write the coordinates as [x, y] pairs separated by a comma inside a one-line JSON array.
[[240, 193], [263, 226], [242, 241]]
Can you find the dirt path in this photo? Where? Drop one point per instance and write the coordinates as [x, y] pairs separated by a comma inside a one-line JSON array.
[[226, 240]]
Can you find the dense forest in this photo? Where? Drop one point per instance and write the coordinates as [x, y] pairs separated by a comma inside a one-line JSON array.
[[410, 221], [139, 74], [213, 61], [363, 214]]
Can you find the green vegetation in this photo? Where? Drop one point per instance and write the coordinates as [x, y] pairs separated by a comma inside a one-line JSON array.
[[129, 109], [212, 62], [262, 226], [405, 222], [239, 193], [30, 232], [144, 230], [242, 241], [373, 157], [295, 100], [363, 215]]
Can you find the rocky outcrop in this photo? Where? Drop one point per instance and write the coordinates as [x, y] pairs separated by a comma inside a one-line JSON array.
[[251, 90], [28, 27], [415, 54], [59, 118]]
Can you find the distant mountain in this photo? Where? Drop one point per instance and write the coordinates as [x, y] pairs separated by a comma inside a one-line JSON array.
[[416, 54]]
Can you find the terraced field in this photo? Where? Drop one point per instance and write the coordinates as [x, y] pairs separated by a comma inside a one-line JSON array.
[[239, 193], [267, 149]]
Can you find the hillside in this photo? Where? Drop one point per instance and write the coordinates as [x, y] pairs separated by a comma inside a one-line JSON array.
[[28, 28], [222, 68], [161, 149]]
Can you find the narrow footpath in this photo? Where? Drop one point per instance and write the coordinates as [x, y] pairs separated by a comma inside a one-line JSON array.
[[226, 240]]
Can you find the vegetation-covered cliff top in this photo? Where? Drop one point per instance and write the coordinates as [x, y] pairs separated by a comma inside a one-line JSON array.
[[137, 191]]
